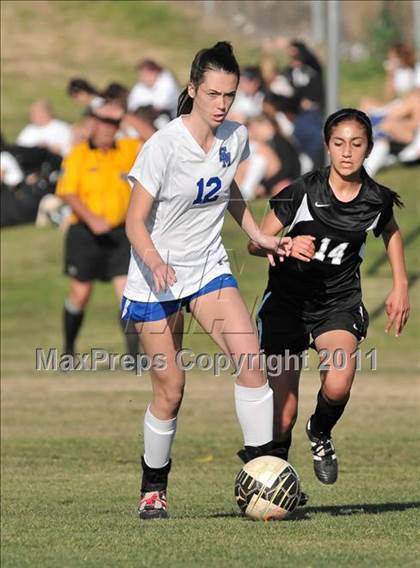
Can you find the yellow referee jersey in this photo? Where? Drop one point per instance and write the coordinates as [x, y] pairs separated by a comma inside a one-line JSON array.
[[99, 178]]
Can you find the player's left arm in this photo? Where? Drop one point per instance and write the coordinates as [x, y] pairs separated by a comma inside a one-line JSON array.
[[397, 304], [243, 216], [302, 245]]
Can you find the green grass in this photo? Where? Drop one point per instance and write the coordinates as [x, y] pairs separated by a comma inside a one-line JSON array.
[[71, 442]]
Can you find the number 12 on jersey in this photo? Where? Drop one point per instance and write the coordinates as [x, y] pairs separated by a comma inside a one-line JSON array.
[[213, 185], [336, 254]]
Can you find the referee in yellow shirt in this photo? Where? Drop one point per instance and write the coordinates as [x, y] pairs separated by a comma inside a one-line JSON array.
[[94, 183]]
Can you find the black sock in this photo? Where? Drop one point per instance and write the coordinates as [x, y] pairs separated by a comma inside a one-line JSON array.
[[72, 320], [327, 414], [281, 448], [154, 479], [131, 337]]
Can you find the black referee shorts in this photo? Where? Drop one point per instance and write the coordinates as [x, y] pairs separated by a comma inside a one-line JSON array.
[[281, 330], [90, 257]]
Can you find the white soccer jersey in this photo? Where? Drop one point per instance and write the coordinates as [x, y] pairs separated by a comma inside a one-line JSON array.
[[191, 191]]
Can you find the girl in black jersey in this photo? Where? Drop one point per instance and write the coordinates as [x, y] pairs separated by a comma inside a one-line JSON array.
[[316, 291]]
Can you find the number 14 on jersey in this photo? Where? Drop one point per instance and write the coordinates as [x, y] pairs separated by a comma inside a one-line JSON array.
[[336, 254]]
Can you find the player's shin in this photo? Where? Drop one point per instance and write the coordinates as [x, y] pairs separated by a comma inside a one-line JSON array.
[[72, 322], [156, 465], [254, 408], [327, 414]]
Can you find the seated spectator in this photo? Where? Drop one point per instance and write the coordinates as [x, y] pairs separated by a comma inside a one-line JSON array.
[[117, 94], [11, 174], [397, 134], [402, 76], [249, 97], [133, 125], [84, 94], [156, 87], [304, 126], [27, 176], [302, 78], [273, 163], [45, 130]]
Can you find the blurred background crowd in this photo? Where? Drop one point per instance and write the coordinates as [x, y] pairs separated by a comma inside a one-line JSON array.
[[283, 108]]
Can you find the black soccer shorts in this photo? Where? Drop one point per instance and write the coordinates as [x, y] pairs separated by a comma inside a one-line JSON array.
[[90, 257], [281, 330]]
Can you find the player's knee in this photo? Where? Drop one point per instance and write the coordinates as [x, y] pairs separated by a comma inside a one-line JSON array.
[[79, 297], [336, 395], [169, 396]]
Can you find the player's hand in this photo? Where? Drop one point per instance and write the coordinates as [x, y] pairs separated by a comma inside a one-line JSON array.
[[397, 308], [163, 277], [303, 247], [98, 225], [275, 246]]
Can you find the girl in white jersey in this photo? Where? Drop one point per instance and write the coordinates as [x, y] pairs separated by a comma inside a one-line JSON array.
[[183, 183]]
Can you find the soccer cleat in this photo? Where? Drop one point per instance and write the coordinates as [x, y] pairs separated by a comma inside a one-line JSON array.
[[249, 453], [153, 502], [323, 453], [153, 505]]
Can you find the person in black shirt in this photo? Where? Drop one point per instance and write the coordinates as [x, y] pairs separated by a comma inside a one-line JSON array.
[[316, 291]]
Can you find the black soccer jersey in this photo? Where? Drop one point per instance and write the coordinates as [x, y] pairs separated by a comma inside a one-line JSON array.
[[331, 280]]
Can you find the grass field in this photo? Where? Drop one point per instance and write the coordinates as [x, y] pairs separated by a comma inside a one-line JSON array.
[[71, 442]]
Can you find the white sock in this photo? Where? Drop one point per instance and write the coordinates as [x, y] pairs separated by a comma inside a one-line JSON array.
[[254, 408], [158, 438]]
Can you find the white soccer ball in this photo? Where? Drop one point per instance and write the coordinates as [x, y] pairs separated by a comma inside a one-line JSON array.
[[267, 488]]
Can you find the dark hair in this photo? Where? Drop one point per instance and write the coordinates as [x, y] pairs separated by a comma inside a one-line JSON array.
[[115, 92], [306, 56], [252, 72], [363, 119], [76, 86], [284, 104], [348, 114], [220, 57]]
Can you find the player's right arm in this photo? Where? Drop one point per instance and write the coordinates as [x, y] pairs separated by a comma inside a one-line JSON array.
[[302, 245], [141, 202]]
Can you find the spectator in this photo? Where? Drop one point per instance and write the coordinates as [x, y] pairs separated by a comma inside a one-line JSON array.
[[250, 95], [302, 78], [85, 94], [305, 126], [273, 163], [45, 130], [156, 86], [133, 125], [402, 76], [11, 174], [27, 176], [95, 186], [397, 134], [117, 94]]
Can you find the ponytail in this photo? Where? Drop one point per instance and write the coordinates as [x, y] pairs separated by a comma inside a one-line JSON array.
[[185, 103]]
